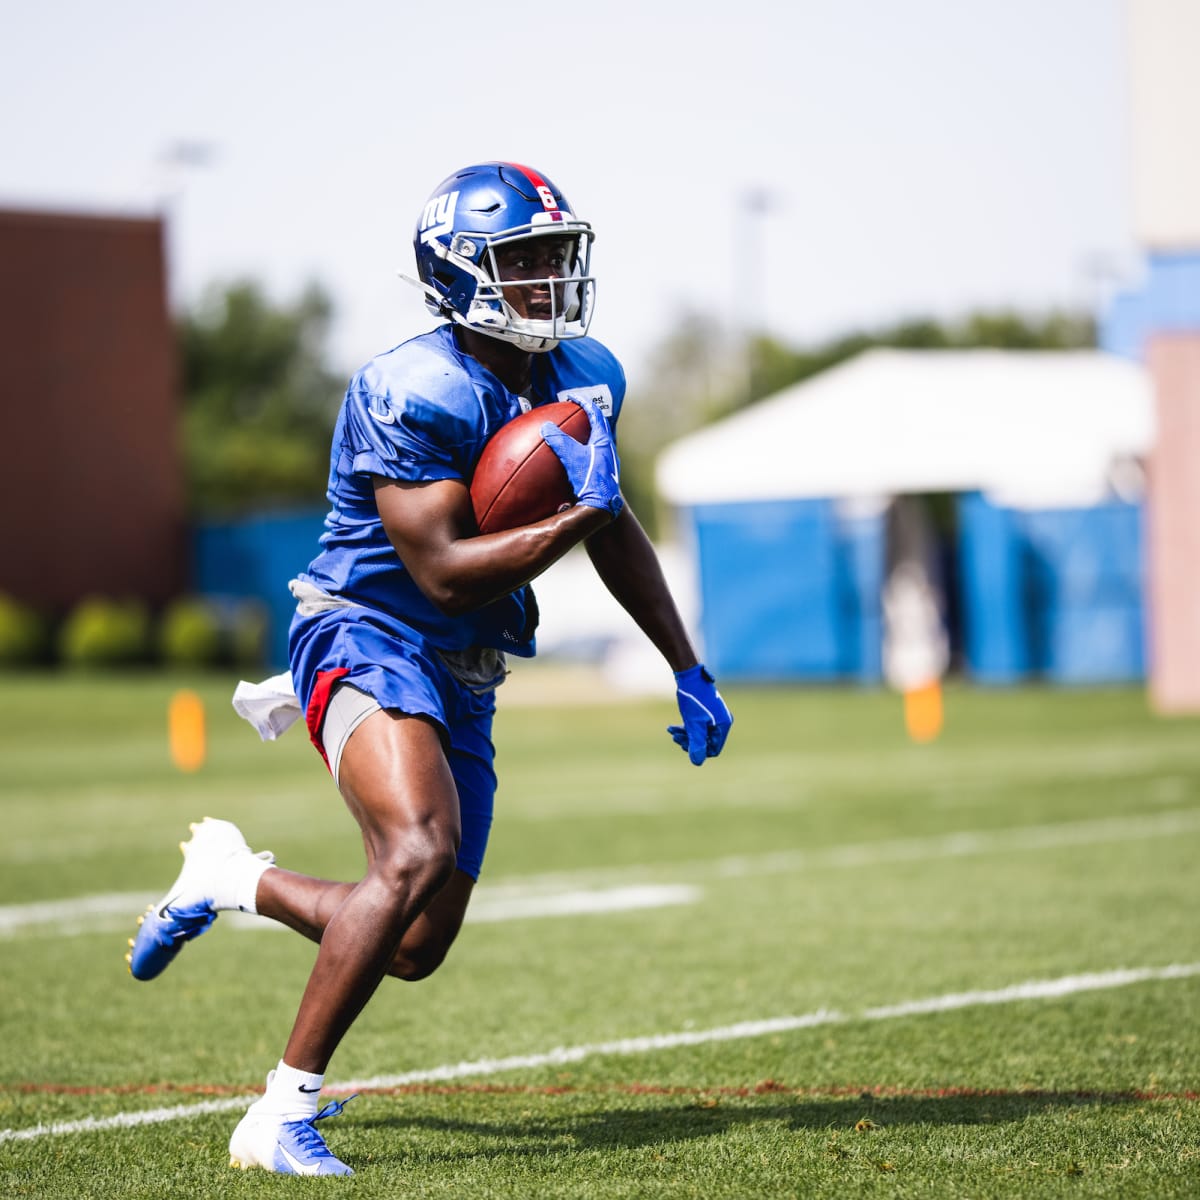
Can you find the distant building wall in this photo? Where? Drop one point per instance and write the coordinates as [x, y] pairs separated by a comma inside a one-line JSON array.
[[1175, 531], [92, 486], [1160, 323]]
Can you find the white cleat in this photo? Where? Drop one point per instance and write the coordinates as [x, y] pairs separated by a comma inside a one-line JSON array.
[[189, 906], [285, 1147]]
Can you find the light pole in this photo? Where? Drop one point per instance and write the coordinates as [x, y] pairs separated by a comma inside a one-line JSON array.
[[172, 162], [754, 205]]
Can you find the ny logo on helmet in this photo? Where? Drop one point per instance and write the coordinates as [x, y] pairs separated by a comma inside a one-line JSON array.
[[438, 217]]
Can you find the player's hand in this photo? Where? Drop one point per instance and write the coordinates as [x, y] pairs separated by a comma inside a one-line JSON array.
[[592, 466], [706, 717]]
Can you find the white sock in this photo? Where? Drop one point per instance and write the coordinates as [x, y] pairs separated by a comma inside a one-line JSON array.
[[245, 882], [236, 885], [290, 1093]]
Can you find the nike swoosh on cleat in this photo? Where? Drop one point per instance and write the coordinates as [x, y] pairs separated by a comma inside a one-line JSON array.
[[297, 1166]]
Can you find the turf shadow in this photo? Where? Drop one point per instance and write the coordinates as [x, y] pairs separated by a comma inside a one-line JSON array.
[[707, 1116]]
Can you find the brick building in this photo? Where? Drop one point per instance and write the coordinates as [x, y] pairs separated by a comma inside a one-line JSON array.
[[92, 486]]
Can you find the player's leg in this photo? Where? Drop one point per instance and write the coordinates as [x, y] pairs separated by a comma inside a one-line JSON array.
[[218, 876], [306, 904], [221, 873], [397, 783], [429, 938]]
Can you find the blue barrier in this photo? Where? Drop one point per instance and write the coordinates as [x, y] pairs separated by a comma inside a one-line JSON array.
[[789, 590], [253, 558], [1056, 594], [996, 642]]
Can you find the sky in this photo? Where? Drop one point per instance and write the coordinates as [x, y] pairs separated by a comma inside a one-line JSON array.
[[924, 157]]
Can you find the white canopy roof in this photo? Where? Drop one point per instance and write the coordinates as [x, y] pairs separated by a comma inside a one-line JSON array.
[[1030, 428]]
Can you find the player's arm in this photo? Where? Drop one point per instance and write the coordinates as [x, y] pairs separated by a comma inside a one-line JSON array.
[[627, 563], [432, 527]]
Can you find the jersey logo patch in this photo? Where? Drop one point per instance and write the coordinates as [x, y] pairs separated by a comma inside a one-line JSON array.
[[600, 393]]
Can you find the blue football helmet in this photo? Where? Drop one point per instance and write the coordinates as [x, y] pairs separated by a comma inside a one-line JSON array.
[[468, 216]]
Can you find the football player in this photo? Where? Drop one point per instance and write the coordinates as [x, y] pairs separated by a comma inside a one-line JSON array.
[[405, 616]]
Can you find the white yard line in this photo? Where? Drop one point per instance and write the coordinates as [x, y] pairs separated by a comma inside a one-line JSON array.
[[517, 905], [92, 913], [78, 915], [1097, 831], [603, 889], [513, 907], [1036, 989]]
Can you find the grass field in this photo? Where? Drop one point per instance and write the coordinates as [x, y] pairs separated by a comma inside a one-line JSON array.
[[836, 963]]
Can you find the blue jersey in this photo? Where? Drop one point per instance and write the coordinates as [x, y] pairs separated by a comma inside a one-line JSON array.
[[422, 412]]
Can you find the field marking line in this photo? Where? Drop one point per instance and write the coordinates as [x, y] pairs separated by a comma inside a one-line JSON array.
[[14, 917], [94, 913], [515, 905], [516, 897], [848, 855], [518, 905], [1036, 989]]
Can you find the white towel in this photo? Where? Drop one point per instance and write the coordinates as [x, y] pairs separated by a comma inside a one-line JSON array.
[[270, 706]]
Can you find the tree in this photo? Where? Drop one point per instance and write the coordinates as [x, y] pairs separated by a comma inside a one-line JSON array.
[[690, 377], [701, 373], [779, 366], [259, 399]]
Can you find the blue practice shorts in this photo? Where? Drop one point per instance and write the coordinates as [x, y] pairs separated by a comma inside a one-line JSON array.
[[387, 661]]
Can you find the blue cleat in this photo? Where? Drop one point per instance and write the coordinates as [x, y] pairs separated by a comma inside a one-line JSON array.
[[286, 1147], [211, 859], [161, 935]]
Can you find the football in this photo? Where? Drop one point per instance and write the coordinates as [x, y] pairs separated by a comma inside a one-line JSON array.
[[519, 479]]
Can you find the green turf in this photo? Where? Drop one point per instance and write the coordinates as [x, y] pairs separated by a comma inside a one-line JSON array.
[[837, 868]]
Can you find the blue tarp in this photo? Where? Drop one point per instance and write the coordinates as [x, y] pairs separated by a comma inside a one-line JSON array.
[[253, 558], [1055, 594], [790, 590]]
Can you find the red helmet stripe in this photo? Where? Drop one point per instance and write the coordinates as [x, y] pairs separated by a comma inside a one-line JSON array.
[[544, 190]]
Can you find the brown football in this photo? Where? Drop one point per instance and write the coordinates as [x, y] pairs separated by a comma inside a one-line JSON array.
[[519, 479]]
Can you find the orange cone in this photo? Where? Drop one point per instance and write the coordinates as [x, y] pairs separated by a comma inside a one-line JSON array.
[[185, 726], [923, 714]]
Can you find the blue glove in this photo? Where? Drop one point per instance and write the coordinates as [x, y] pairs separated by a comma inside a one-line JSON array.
[[706, 717], [592, 467]]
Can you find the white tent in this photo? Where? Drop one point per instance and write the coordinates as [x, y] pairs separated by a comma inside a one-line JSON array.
[[1029, 428]]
